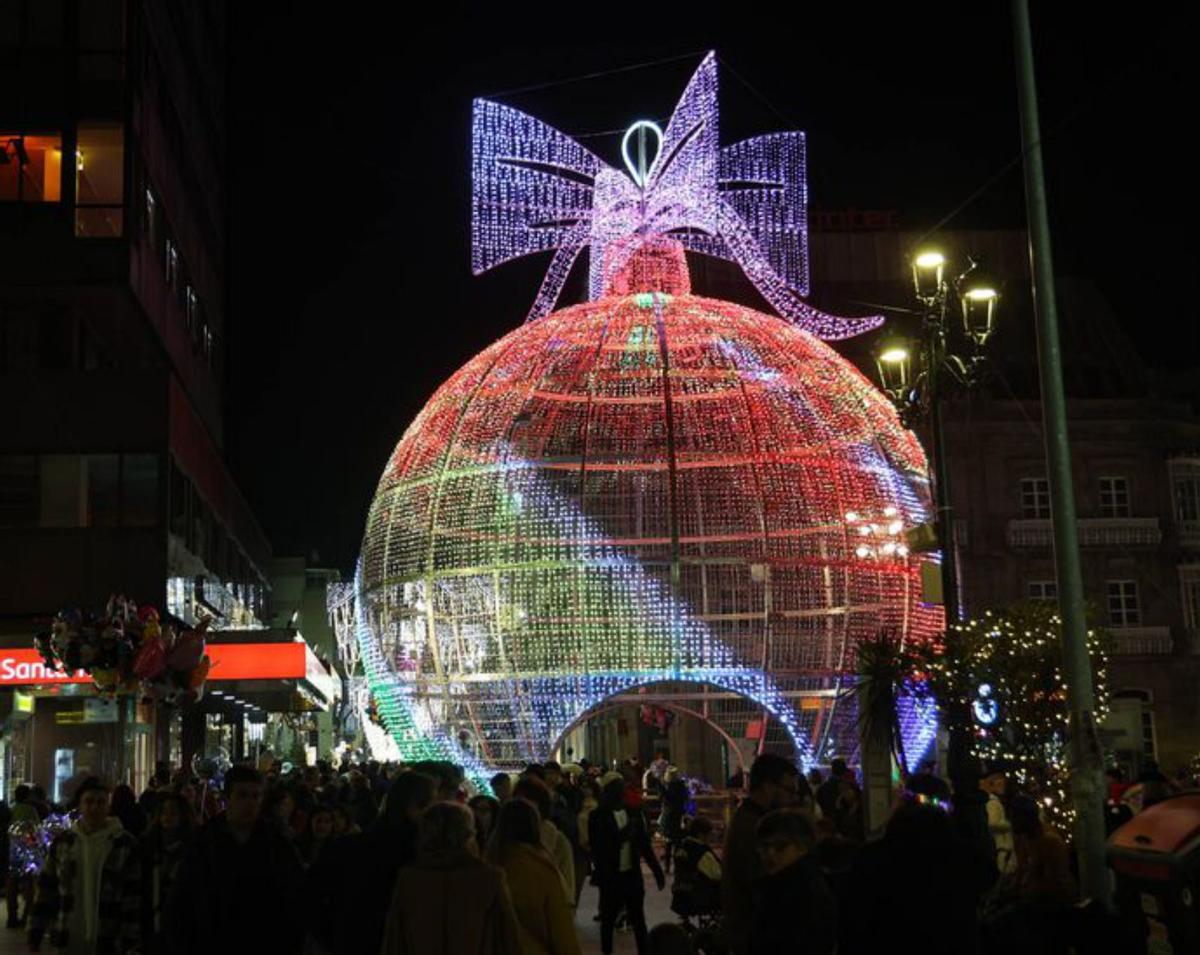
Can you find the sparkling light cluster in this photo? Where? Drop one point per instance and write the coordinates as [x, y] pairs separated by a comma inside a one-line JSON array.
[[535, 189], [1012, 662], [881, 539], [648, 488]]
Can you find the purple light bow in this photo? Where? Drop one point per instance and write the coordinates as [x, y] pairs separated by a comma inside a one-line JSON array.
[[535, 189]]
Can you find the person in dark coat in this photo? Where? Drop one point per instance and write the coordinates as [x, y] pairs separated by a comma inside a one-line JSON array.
[[918, 866], [163, 848], [794, 908], [828, 792], [674, 806], [124, 806], [618, 840], [356, 874], [774, 784], [238, 881], [362, 802]]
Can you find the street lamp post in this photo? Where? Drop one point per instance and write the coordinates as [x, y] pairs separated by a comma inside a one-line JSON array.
[[918, 393], [1087, 782]]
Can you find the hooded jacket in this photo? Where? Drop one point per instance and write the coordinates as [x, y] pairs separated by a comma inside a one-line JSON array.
[[89, 892]]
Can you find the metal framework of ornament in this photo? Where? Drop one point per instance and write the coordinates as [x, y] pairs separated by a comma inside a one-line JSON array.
[[651, 488]]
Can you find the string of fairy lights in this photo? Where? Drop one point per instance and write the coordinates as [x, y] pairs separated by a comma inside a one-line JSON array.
[[1007, 671]]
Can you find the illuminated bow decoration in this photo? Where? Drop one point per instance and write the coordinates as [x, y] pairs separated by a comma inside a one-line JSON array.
[[535, 189]]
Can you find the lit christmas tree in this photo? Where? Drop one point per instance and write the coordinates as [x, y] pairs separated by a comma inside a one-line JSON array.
[[1005, 671]]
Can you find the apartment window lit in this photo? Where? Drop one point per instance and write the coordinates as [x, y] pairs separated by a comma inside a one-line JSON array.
[[100, 180], [1035, 497], [1146, 704], [1042, 590], [30, 167], [1124, 605], [172, 263], [1114, 497]]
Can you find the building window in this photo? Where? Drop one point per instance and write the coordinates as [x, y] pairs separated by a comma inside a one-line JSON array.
[[1042, 590], [172, 264], [1187, 497], [103, 490], [30, 167], [100, 181], [207, 343], [1189, 592], [1035, 498], [1146, 702], [192, 307], [139, 490], [150, 218], [18, 490], [1148, 745], [79, 490], [1114, 497], [1124, 607]]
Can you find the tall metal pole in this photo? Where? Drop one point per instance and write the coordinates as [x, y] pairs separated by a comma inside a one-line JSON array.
[[1086, 777], [959, 744], [935, 357]]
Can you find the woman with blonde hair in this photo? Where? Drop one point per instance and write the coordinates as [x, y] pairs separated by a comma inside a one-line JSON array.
[[545, 917]]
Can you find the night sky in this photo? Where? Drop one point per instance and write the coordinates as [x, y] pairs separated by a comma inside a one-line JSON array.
[[352, 297]]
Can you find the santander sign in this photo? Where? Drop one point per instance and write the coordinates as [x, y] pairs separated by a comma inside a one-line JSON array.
[[230, 661], [27, 666]]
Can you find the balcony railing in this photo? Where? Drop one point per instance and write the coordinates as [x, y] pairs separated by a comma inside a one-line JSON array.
[[1189, 533], [1141, 641], [1037, 533]]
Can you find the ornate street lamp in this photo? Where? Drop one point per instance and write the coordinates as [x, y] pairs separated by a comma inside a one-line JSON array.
[[979, 294], [928, 269], [895, 363], [916, 388]]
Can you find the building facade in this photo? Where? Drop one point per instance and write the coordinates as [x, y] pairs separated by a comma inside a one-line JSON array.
[[114, 313], [1136, 492]]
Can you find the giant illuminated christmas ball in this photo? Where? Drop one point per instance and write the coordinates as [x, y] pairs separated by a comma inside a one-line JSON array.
[[651, 487]]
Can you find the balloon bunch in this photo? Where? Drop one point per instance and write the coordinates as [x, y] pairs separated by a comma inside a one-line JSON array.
[[29, 843], [657, 716], [211, 770], [127, 649]]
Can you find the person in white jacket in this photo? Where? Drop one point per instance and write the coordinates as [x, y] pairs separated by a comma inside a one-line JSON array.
[[995, 784]]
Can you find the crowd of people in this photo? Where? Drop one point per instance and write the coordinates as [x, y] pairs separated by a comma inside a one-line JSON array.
[[366, 858]]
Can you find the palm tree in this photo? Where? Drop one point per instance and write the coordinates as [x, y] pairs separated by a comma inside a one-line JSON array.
[[884, 672]]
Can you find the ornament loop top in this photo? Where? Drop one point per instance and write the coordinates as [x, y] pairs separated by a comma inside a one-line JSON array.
[[639, 168]]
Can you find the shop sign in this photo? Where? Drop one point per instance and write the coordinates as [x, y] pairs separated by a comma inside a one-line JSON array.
[[230, 661], [27, 666], [100, 710], [94, 710]]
